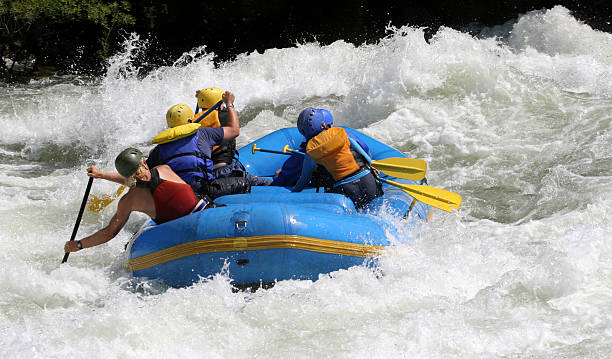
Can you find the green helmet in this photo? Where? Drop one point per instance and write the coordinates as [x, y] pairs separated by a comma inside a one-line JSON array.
[[128, 161]]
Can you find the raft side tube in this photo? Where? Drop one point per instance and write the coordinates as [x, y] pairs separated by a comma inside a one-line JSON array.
[[304, 198], [299, 243]]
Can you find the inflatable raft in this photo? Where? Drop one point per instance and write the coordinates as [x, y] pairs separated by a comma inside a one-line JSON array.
[[273, 234]]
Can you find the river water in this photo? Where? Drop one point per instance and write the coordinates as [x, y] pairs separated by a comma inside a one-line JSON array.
[[517, 119]]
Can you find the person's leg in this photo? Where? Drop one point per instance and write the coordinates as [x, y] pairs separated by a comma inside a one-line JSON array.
[[253, 180], [225, 171], [368, 189], [236, 169], [257, 181], [361, 191], [199, 188]]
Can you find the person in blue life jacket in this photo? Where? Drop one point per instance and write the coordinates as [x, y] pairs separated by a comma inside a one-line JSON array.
[[225, 163], [187, 148], [336, 160]]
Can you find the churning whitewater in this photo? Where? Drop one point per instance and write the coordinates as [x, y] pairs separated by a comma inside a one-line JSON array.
[[517, 119]]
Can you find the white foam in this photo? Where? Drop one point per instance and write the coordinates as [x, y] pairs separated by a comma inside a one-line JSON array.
[[519, 125]]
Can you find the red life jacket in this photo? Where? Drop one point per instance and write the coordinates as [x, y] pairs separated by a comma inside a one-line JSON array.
[[172, 199]]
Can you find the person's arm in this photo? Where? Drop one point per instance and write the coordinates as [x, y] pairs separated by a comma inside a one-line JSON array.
[[290, 172], [308, 166], [360, 149], [109, 232], [361, 143], [232, 130], [94, 172]]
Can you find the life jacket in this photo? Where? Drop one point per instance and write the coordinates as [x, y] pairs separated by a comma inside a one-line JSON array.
[[226, 152], [185, 158], [172, 199], [176, 133], [332, 149], [179, 149], [211, 120]]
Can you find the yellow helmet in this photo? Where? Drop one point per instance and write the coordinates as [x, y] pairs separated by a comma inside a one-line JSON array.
[[179, 115], [207, 98]]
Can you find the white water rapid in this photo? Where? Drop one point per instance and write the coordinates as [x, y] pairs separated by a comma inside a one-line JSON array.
[[518, 120]]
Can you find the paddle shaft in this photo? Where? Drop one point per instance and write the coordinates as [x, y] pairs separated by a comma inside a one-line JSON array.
[[215, 106], [78, 220], [272, 151], [406, 168], [289, 151]]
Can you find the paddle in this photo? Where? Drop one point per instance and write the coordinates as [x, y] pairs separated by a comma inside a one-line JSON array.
[[78, 220], [215, 106], [444, 200], [412, 169], [255, 148], [97, 204], [286, 149], [407, 168], [435, 197]]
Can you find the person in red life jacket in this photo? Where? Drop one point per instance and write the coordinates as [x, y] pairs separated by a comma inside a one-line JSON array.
[[158, 192], [225, 163], [345, 157]]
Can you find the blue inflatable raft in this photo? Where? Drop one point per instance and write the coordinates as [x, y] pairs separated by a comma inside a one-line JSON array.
[[272, 234]]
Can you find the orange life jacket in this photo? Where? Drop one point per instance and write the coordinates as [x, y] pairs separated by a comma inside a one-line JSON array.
[[332, 149], [211, 120]]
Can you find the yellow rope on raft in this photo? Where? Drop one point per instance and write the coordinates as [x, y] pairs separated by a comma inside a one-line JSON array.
[[279, 241]]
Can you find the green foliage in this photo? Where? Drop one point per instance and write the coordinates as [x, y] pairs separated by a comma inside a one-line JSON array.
[[103, 13], [17, 17]]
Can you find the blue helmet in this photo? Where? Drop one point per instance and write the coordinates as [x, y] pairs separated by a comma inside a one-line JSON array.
[[311, 121]]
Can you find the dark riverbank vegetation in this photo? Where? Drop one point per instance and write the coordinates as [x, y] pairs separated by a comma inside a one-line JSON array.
[[39, 35], [45, 37]]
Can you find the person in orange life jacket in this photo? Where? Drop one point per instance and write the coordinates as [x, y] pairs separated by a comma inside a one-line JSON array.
[[289, 174], [225, 163], [345, 157], [158, 192]]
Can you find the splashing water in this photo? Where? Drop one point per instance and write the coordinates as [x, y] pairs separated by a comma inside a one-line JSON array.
[[517, 120]]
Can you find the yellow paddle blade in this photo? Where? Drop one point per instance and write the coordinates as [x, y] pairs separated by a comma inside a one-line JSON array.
[[407, 168], [435, 197], [96, 204]]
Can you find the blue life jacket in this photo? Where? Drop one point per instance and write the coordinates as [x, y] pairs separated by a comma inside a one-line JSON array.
[[186, 159]]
